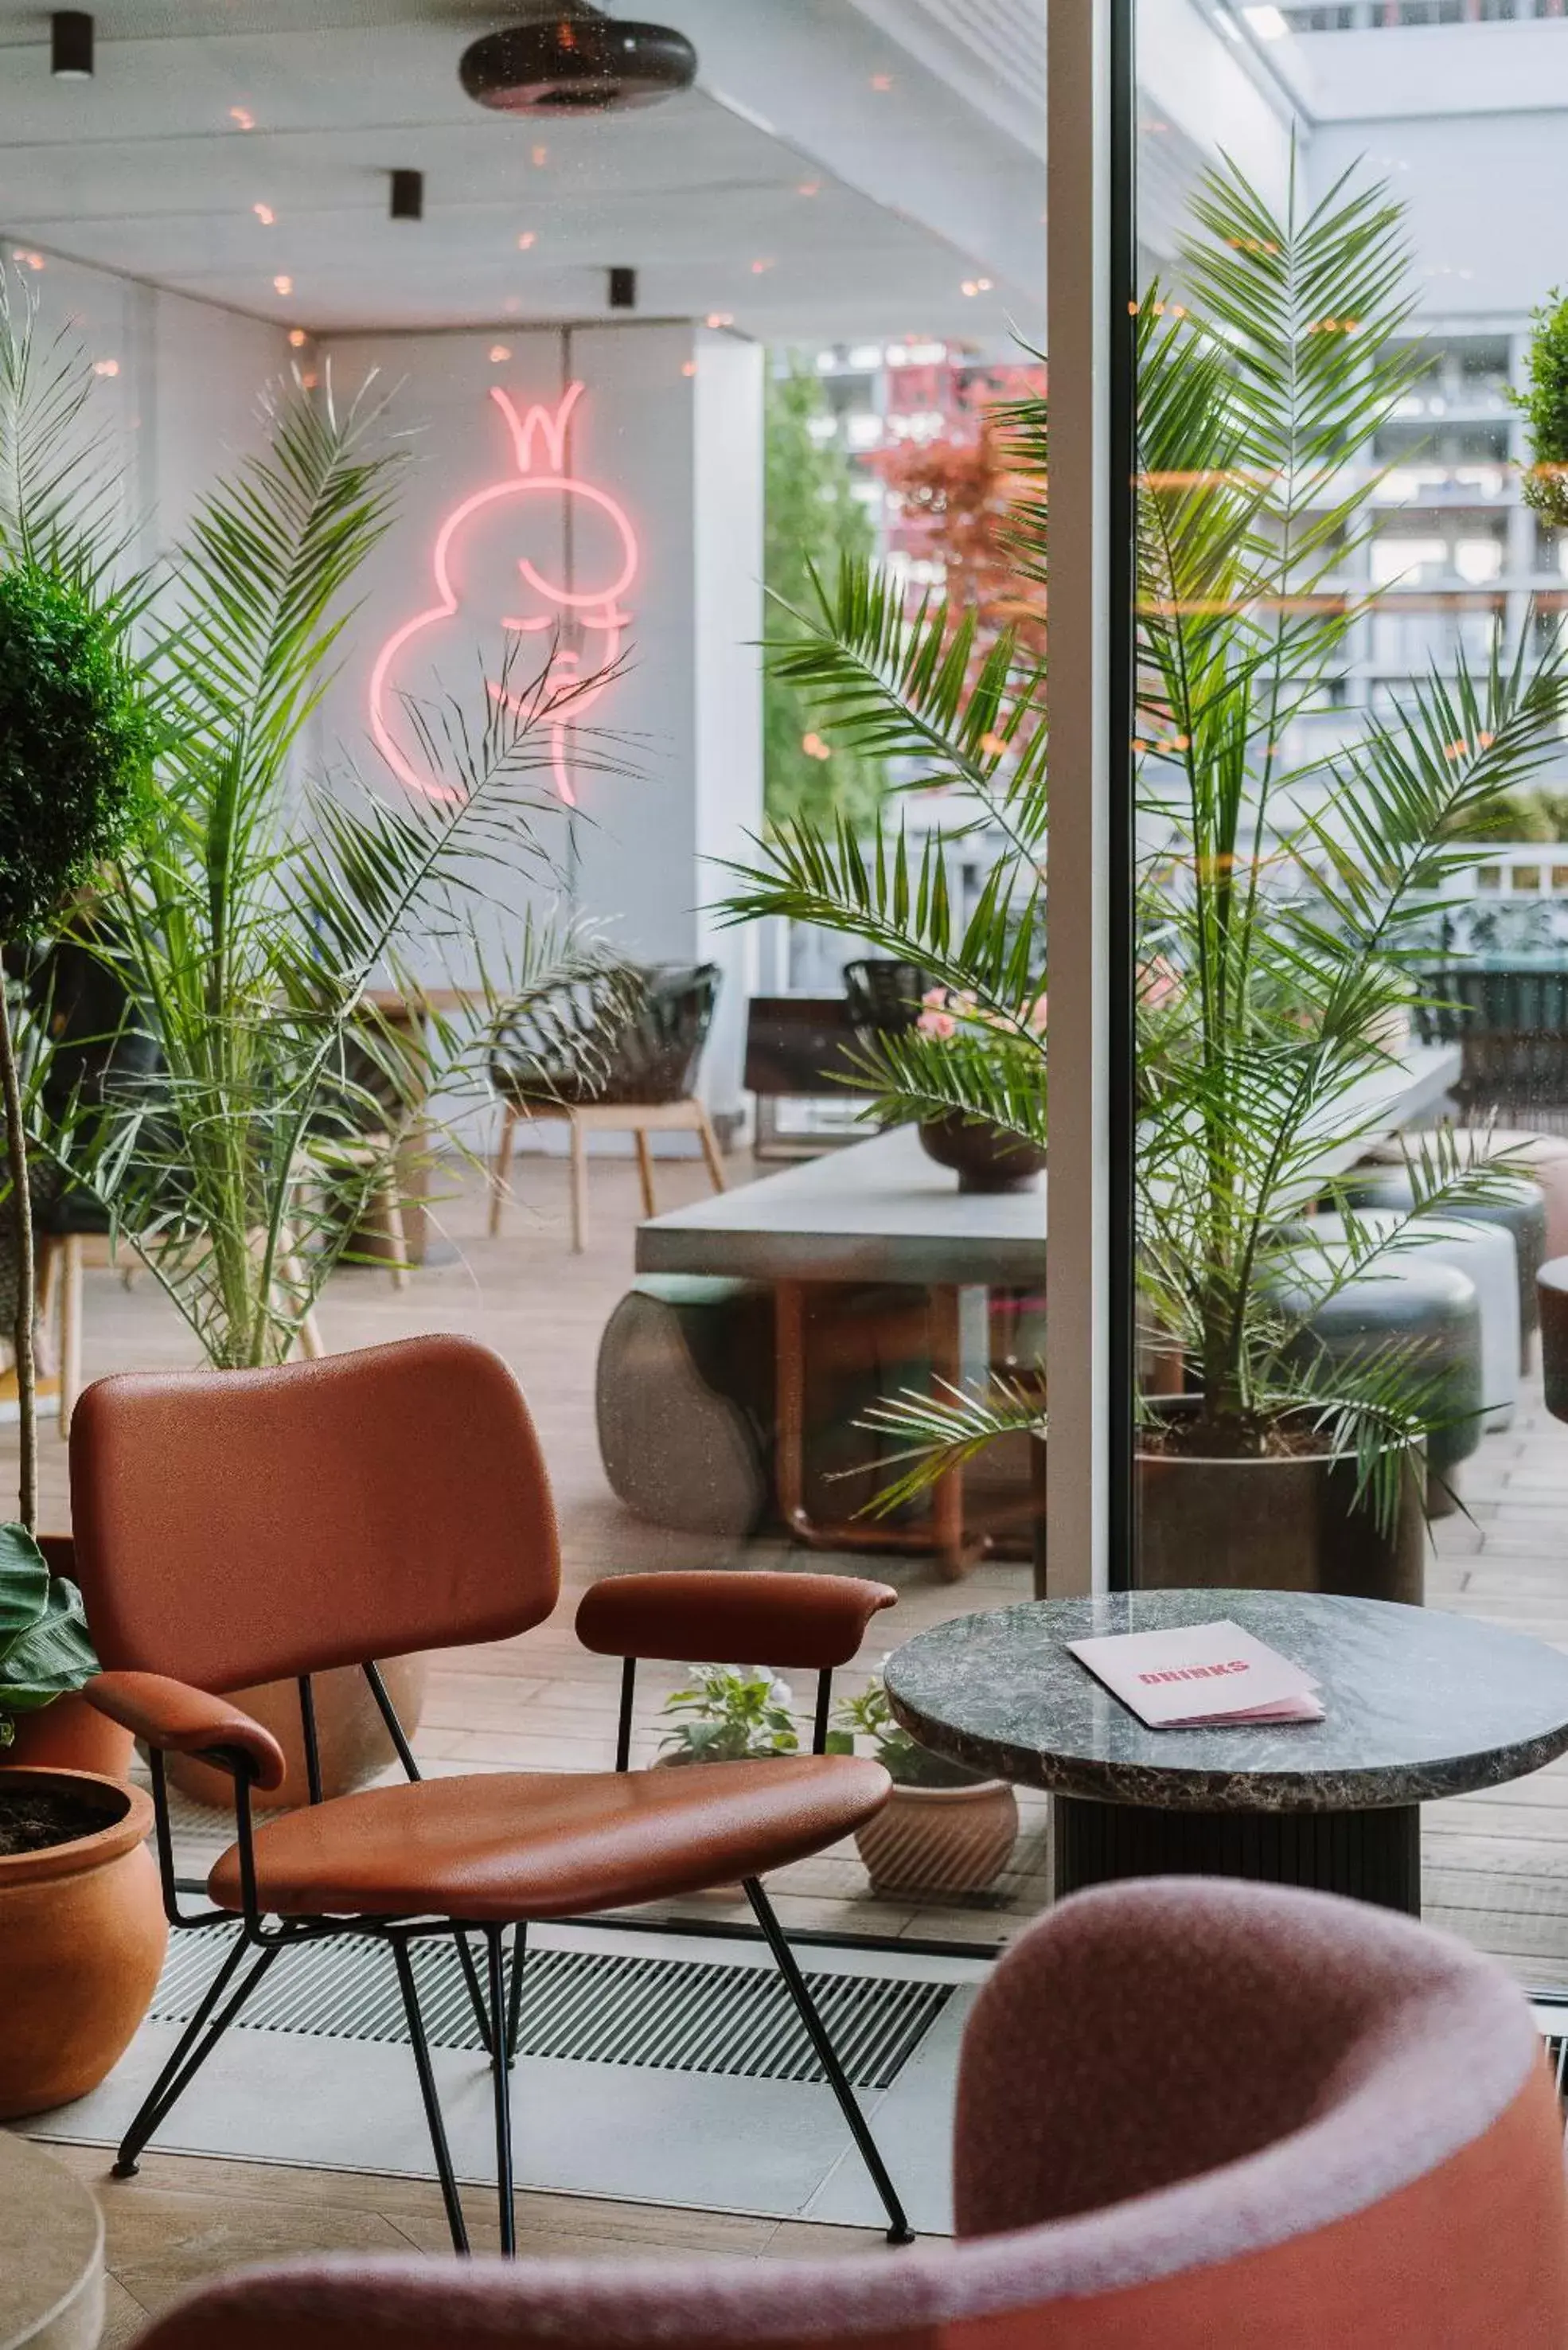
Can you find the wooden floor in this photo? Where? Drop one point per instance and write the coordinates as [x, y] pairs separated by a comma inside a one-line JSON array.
[[184, 2221]]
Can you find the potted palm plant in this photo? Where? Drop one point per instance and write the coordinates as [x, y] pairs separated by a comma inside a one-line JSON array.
[[1282, 886], [280, 938]]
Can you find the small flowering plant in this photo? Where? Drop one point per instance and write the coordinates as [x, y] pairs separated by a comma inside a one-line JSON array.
[[947, 1012], [730, 1713], [907, 1763]]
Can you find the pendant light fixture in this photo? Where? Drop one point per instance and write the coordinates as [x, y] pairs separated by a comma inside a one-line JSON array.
[[70, 45], [567, 58]]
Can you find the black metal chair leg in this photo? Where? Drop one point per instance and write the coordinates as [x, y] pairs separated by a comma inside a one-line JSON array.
[[190, 2054], [502, 2079], [475, 1990], [515, 1996], [434, 2119], [898, 2230]]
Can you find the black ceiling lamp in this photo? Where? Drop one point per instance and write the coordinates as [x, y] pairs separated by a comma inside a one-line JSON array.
[[568, 57], [622, 289], [70, 45], [408, 201]]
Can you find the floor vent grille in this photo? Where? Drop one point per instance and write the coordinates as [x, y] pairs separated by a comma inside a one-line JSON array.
[[590, 2007]]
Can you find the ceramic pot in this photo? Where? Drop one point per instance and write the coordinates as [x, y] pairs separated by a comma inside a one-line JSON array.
[[70, 1734], [1261, 1525], [82, 1938], [350, 1735], [940, 1840], [982, 1156], [1283, 1524]]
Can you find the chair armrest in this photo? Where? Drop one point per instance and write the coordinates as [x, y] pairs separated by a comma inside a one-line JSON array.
[[732, 1617], [178, 1719]]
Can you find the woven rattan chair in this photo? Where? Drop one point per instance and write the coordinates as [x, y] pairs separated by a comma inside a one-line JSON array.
[[618, 1054]]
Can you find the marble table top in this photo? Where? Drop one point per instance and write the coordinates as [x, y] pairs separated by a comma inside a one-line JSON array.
[[1418, 1704]]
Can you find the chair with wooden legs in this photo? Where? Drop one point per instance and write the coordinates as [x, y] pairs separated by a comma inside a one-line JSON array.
[[373, 1504], [618, 1054]]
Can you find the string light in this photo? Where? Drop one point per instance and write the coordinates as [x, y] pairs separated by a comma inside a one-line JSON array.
[[265, 213], [283, 285]]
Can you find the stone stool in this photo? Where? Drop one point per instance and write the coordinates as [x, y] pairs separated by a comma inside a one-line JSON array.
[[1422, 1302], [1545, 1156], [1487, 1254], [684, 1399], [1520, 1209]]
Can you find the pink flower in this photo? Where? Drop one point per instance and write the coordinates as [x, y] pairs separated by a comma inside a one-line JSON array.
[[935, 999], [1159, 983], [1037, 1015], [936, 1023]]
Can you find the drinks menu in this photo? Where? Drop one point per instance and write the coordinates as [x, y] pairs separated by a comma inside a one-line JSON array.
[[1201, 1676]]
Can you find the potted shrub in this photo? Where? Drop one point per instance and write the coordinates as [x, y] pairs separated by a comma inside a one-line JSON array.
[[944, 1830], [1544, 402], [74, 744], [82, 1929], [256, 920], [1280, 910]]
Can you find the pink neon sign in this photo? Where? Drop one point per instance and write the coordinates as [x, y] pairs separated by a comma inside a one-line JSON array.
[[596, 611]]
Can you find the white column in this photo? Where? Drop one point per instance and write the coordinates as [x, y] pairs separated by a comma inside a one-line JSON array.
[[1078, 348]]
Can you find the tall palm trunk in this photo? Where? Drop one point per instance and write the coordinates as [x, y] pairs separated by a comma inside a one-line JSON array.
[[22, 1219]]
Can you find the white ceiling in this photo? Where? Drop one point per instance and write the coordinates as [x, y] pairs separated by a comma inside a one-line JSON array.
[[147, 169]]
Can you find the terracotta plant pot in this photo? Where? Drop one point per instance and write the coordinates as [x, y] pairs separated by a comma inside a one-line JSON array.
[[982, 1156], [70, 1734], [350, 1735], [940, 1840], [82, 1938]]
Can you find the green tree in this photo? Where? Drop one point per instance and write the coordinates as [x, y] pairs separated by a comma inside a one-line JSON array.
[[813, 521]]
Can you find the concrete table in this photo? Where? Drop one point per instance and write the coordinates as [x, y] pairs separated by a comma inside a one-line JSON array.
[[1419, 1705], [881, 1212], [51, 2253]]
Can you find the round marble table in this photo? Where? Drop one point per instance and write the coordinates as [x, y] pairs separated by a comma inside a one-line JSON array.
[[1418, 1704]]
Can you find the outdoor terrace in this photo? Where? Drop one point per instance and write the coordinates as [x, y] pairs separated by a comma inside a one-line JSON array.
[[1497, 1864]]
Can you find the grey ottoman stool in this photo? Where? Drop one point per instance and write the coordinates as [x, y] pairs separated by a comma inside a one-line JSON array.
[[1521, 1212], [1434, 1307], [684, 1399]]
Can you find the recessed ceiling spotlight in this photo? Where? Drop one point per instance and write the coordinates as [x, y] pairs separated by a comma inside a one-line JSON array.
[[283, 285], [622, 288], [567, 58], [70, 45], [408, 198], [499, 353], [297, 337]]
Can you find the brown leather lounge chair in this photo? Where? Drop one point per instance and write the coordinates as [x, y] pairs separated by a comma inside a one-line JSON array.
[[236, 1527]]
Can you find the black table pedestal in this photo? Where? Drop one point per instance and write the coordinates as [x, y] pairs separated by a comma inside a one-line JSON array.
[[1374, 1855]]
